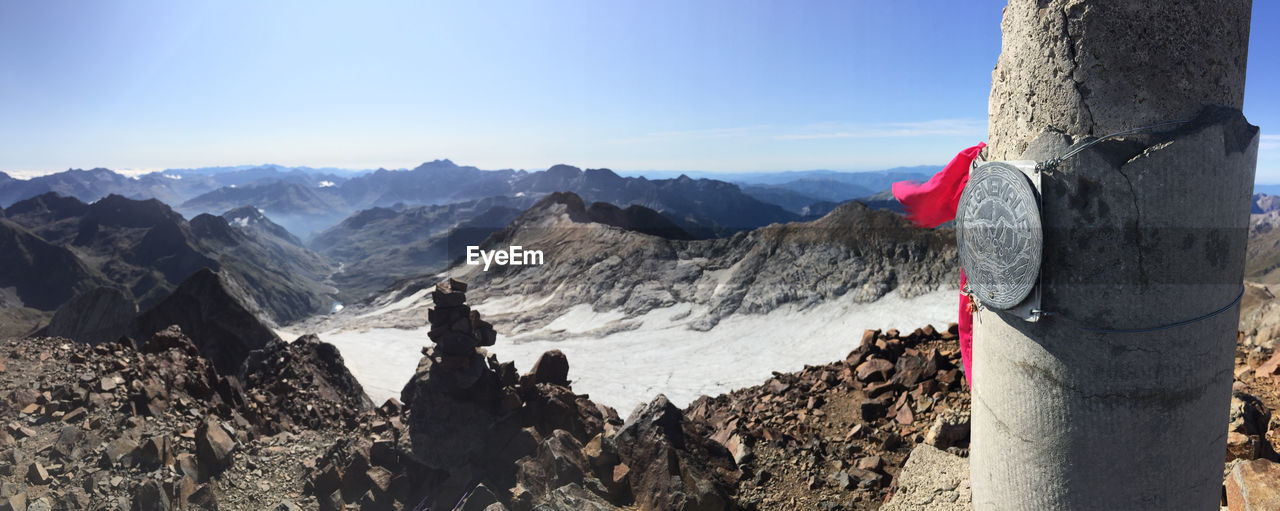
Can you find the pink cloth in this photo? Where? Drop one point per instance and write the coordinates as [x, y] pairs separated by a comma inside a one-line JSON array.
[[932, 203]]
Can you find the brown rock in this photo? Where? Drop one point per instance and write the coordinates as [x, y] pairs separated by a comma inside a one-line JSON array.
[[876, 369], [872, 463], [67, 446], [36, 474], [1270, 368], [213, 449], [868, 338], [872, 409], [621, 475], [1254, 486], [552, 367], [156, 452], [19, 432], [75, 415], [905, 416], [908, 371]]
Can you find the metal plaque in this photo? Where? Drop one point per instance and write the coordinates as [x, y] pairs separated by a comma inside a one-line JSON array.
[[999, 234]]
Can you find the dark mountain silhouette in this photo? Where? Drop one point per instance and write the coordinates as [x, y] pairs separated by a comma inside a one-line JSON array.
[[43, 275], [705, 207], [145, 249], [100, 315], [634, 218], [211, 312]]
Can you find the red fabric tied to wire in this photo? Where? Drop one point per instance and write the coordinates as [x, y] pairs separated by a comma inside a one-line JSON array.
[[932, 203]]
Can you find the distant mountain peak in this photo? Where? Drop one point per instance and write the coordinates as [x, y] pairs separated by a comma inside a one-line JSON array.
[[562, 171], [123, 211]]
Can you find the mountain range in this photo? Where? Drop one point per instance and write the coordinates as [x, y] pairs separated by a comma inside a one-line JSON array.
[[60, 247], [307, 201], [630, 267]]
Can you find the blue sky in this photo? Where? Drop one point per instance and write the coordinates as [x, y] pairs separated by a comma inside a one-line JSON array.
[[655, 85]]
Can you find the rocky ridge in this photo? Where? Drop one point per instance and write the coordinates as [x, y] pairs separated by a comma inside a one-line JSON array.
[[144, 249], [852, 251]]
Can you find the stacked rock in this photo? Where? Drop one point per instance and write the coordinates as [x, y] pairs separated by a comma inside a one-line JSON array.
[[456, 329], [457, 392]]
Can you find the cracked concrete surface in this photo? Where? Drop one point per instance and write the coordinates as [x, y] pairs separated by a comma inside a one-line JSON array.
[[1140, 231], [1081, 67]]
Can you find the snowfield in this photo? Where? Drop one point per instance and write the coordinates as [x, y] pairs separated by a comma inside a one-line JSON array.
[[632, 360]]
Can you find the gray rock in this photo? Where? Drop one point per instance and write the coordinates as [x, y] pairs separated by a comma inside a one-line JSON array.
[[949, 429], [932, 480]]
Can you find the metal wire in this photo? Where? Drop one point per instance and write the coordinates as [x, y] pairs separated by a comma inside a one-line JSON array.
[[1051, 163], [1080, 325]]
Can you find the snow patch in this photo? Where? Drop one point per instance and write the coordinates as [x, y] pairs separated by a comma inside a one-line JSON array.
[[626, 368], [326, 184], [581, 318], [240, 222], [401, 304], [174, 177]]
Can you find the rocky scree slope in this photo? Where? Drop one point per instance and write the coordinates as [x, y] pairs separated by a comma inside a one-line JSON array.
[[158, 427]]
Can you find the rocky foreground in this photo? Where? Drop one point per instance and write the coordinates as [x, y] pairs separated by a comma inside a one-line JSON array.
[[152, 425]]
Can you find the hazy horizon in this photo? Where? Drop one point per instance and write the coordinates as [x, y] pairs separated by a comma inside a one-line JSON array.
[[28, 174]]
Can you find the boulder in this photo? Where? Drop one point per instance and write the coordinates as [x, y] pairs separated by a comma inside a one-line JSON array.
[[1254, 486], [150, 496], [214, 449], [932, 480], [668, 468], [552, 367]]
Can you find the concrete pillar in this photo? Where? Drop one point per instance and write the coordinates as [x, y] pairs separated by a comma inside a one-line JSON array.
[[1143, 231]]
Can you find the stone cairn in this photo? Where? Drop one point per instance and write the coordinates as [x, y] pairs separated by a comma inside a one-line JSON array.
[[457, 394], [456, 330]]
